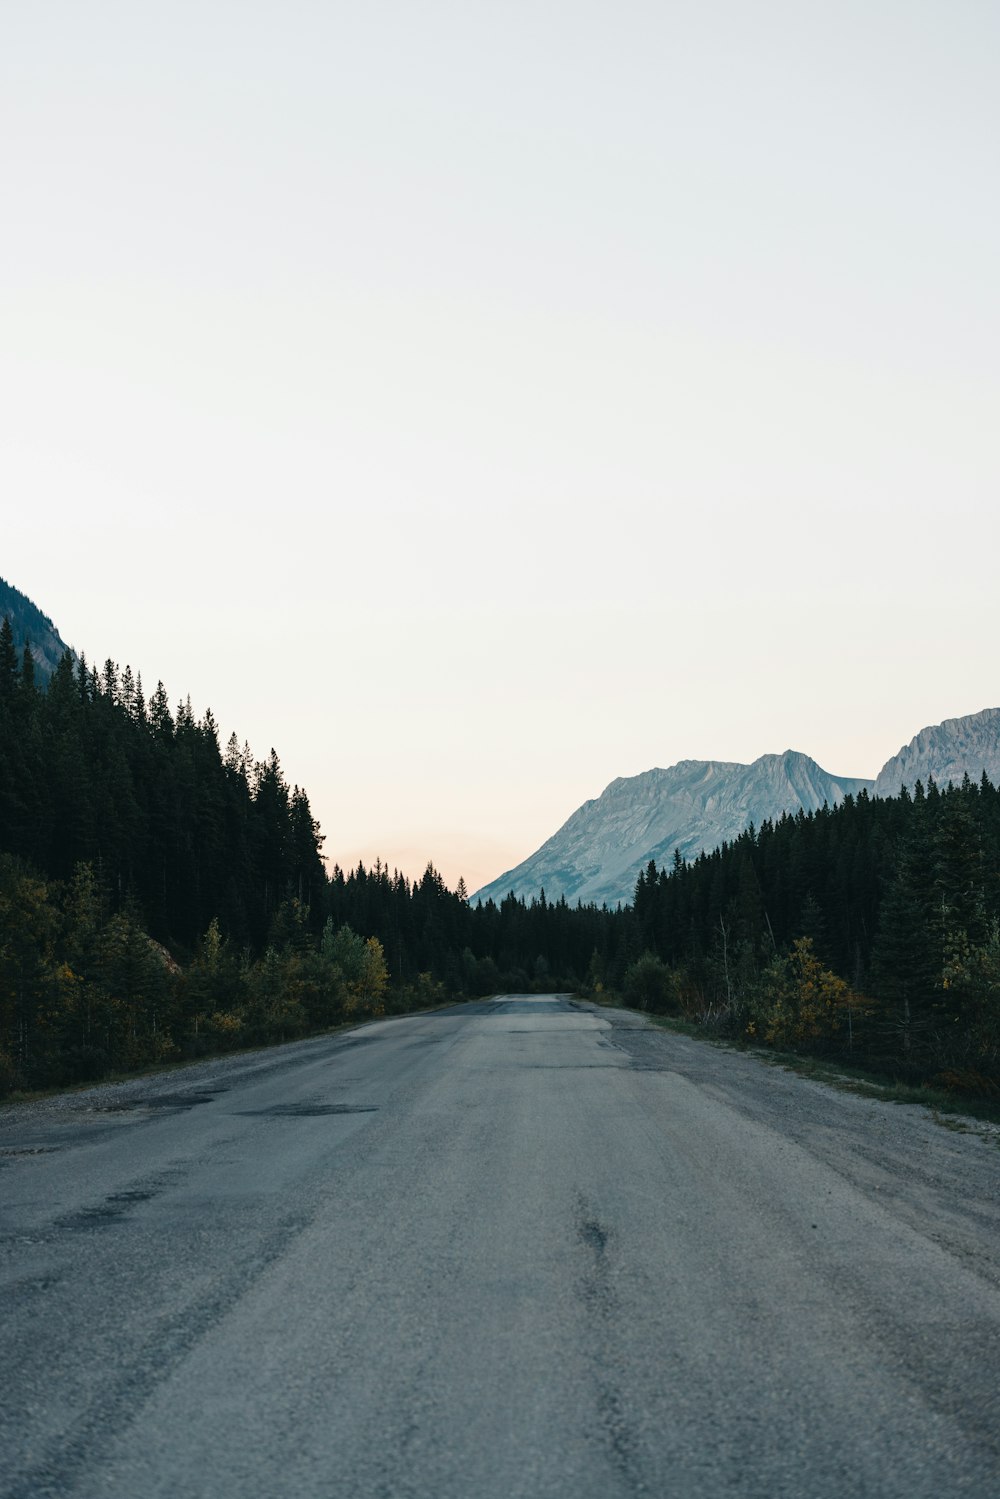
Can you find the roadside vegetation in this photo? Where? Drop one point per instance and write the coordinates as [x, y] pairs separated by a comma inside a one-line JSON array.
[[865, 938], [950, 1106], [163, 898]]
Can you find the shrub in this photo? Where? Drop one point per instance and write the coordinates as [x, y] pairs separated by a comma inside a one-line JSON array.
[[650, 985]]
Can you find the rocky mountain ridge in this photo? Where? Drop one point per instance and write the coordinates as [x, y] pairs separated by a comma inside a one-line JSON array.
[[698, 804], [30, 625], [947, 751]]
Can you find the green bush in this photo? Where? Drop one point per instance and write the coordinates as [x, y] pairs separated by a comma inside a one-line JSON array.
[[650, 985]]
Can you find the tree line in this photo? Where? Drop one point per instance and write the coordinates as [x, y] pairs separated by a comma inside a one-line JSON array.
[[162, 896], [869, 931]]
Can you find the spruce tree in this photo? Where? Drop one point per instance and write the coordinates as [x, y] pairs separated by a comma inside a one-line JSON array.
[[8, 665]]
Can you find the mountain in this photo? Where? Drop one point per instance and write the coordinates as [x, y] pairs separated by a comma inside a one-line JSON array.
[[697, 804], [597, 854], [29, 624], [947, 751]]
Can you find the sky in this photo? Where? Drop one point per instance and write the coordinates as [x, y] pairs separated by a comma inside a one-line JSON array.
[[479, 402]]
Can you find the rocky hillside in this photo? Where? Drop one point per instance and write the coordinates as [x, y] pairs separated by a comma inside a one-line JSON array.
[[947, 751], [697, 804], [29, 624]]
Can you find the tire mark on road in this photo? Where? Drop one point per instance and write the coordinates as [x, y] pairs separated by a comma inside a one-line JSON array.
[[132, 1385]]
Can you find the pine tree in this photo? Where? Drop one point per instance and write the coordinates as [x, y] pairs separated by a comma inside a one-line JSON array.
[[160, 720], [27, 675], [906, 960], [8, 665]]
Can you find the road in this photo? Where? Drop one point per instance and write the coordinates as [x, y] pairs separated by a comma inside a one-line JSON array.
[[513, 1249]]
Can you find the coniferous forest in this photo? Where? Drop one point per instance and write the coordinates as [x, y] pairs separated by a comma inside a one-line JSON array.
[[163, 896]]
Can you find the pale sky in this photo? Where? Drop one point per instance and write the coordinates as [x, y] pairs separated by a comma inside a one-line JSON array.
[[478, 402]]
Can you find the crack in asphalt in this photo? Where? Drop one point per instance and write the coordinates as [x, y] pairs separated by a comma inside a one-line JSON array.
[[616, 1430], [187, 1100], [307, 1110]]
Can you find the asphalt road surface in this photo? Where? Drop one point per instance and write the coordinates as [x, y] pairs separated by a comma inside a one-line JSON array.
[[513, 1249]]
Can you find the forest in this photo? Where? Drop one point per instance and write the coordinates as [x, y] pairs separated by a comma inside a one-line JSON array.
[[165, 897], [869, 931]]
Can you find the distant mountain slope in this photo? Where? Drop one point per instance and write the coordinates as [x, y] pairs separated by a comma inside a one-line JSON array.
[[29, 624], [698, 804], [947, 751], [597, 854]]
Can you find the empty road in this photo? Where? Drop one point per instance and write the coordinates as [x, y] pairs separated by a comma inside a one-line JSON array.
[[520, 1248]]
